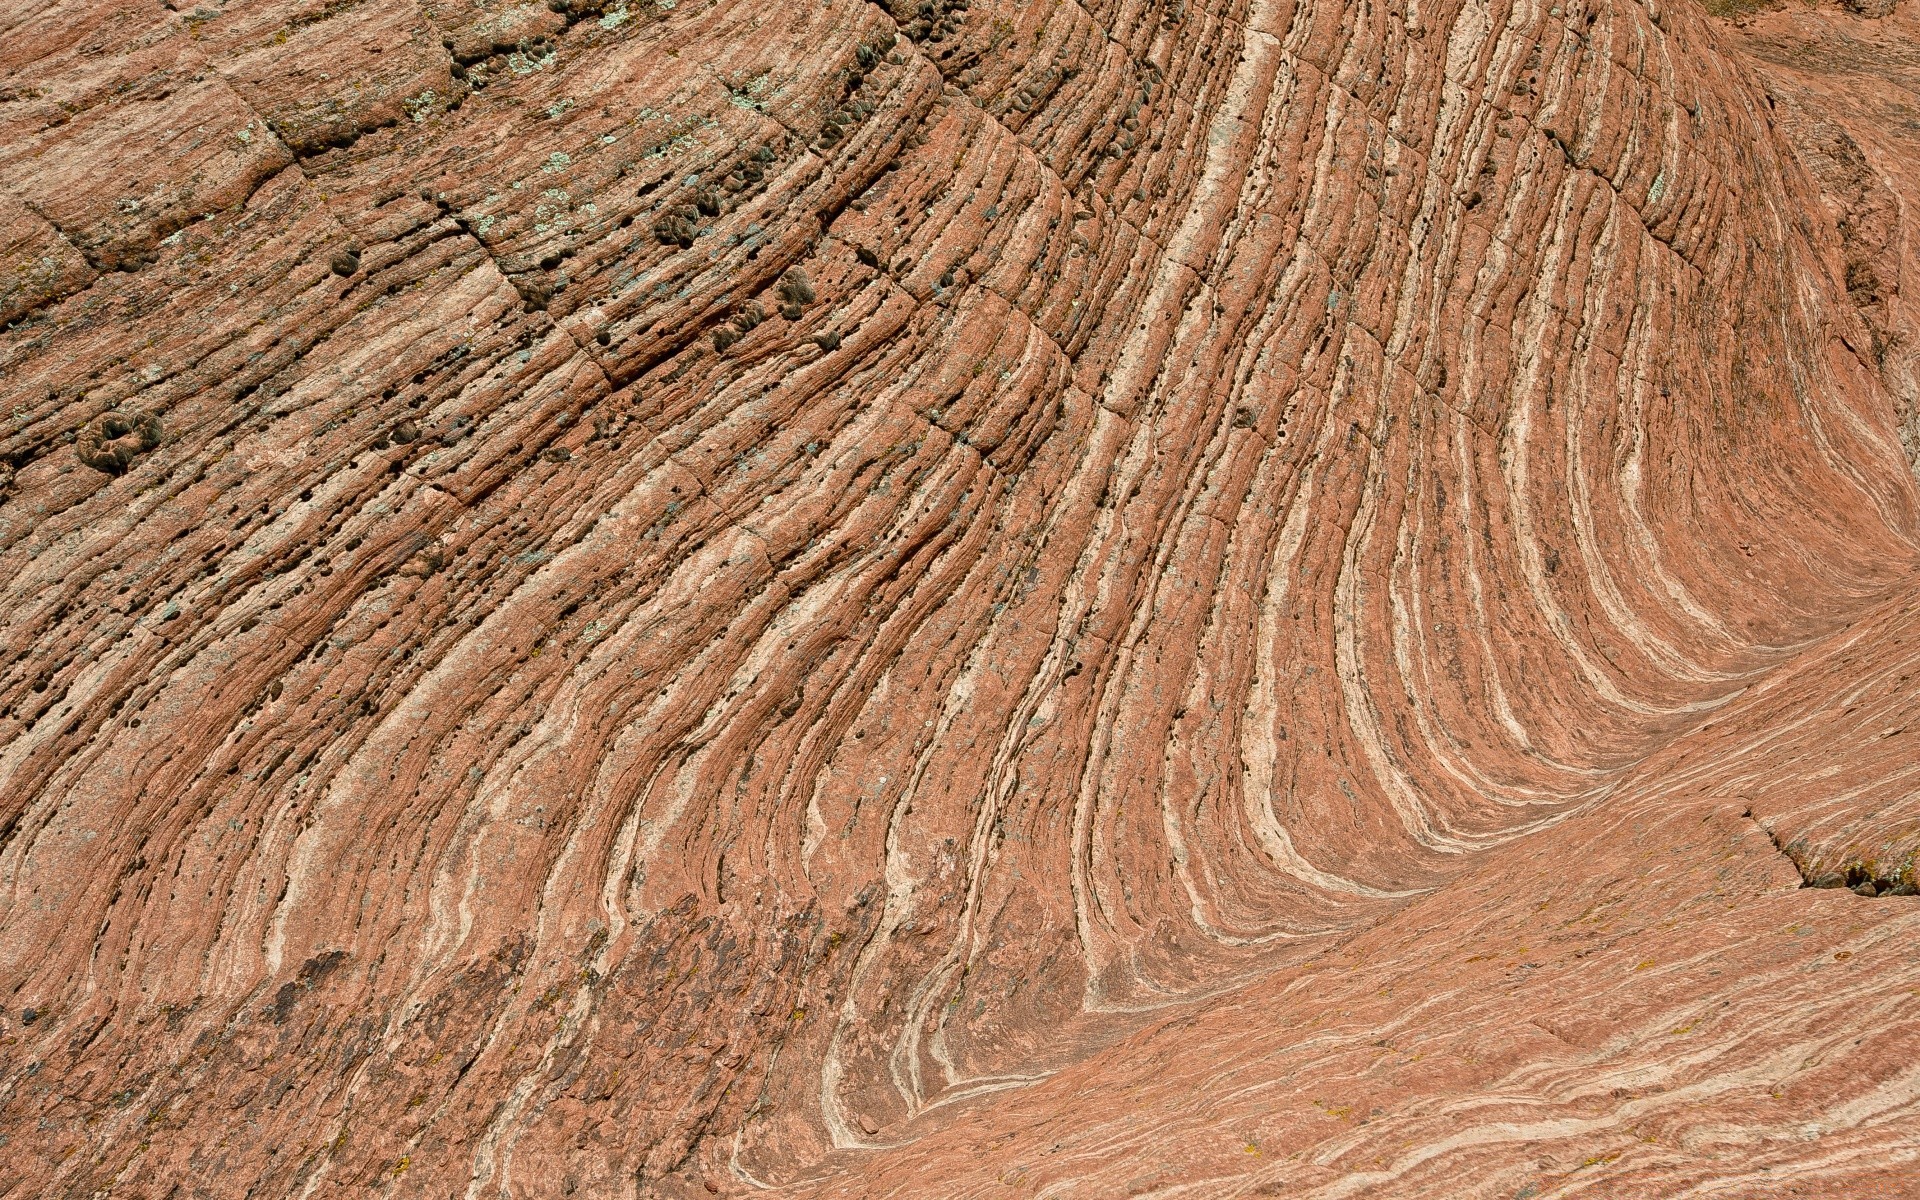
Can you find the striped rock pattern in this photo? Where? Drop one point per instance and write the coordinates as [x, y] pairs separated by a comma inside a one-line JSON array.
[[1114, 598]]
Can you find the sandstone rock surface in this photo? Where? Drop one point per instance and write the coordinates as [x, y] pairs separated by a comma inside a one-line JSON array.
[[1259, 597]]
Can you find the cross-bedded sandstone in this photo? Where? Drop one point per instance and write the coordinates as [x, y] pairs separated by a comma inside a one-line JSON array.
[[1257, 598]]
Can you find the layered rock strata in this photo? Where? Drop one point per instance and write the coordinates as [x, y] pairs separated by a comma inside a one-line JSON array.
[[1249, 598]]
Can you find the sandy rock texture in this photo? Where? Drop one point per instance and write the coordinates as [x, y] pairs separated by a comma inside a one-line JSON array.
[[1846, 91], [1172, 598]]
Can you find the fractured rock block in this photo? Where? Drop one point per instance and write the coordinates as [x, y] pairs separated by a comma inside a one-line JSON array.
[[37, 264]]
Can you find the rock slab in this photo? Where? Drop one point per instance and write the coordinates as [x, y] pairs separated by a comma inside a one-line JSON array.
[[668, 599]]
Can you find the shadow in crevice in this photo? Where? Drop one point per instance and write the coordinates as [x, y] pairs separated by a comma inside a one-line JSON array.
[[1856, 876]]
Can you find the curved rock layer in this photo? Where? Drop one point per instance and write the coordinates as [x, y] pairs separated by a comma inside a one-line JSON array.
[[1643, 1000], [1247, 598], [1847, 93]]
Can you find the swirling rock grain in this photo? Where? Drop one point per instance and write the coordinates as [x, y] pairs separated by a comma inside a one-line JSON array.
[[1287, 611]]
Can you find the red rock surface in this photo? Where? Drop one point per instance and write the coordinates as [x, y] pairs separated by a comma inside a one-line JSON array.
[[1247, 598]]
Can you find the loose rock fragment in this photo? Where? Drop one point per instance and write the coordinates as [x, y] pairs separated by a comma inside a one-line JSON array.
[[796, 288], [677, 228], [112, 441]]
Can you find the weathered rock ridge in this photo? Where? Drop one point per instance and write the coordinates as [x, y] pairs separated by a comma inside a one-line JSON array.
[[625, 598]]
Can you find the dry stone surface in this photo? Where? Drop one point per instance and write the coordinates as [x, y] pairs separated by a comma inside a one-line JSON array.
[[997, 598]]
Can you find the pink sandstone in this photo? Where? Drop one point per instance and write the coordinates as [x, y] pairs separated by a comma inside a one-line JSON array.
[[627, 598]]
